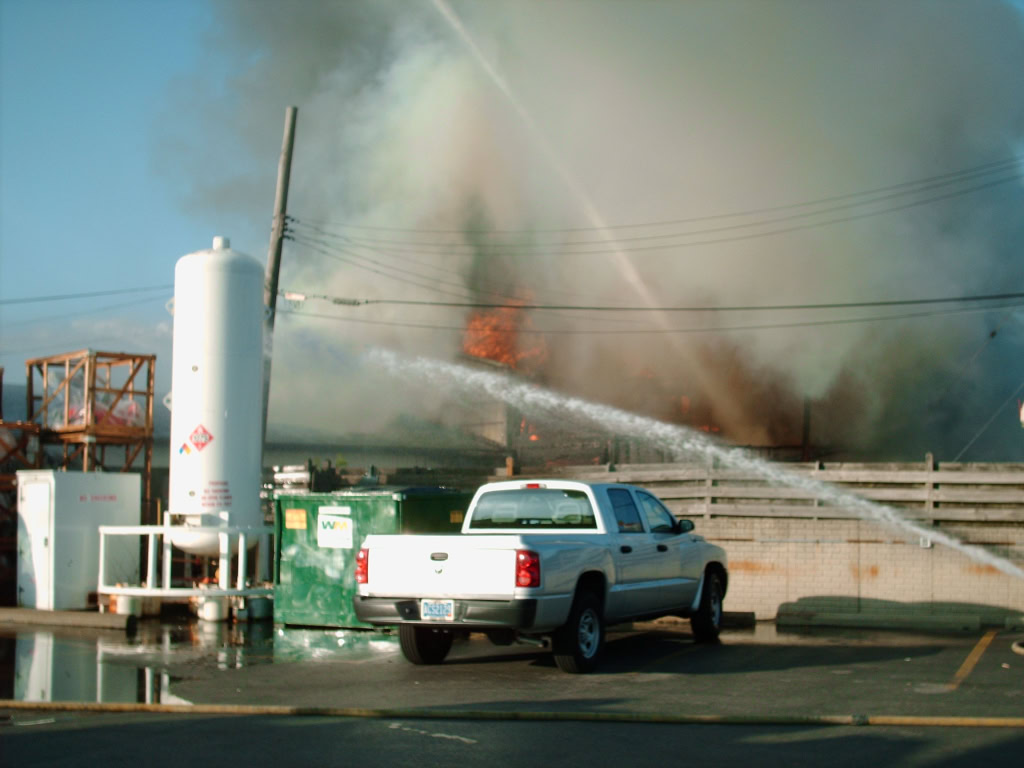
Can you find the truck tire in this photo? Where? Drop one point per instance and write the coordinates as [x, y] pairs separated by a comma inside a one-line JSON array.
[[577, 645], [707, 621], [424, 645]]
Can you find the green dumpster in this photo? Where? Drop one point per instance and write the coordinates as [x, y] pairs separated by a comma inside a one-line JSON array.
[[319, 534]]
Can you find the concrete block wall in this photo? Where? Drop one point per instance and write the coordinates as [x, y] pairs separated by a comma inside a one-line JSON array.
[[853, 566]]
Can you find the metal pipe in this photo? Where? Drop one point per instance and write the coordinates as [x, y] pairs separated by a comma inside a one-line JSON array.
[[151, 560], [241, 560], [224, 565], [101, 580], [167, 552]]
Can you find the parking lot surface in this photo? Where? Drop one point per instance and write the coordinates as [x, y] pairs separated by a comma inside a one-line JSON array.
[[649, 669], [928, 699]]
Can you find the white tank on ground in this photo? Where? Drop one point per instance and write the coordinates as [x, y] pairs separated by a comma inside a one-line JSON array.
[[217, 391]]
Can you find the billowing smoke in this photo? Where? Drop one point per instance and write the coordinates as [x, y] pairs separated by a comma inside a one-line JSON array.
[[518, 162]]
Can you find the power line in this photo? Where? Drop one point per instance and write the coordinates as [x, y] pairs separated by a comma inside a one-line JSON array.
[[353, 262], [88, 295], [347, 241], [353, 258], [924, 183], [79, 313], [501, 247], [482, 288], [305, 238], [611, 308], [356, 259], [955, 379], [989, 422], [37, 350], [616, 248], [561, 308], [361, 321], [662, 331]]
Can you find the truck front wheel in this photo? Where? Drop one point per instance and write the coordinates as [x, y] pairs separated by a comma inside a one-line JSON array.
[[577, 645], [424, 645], [707, 621]]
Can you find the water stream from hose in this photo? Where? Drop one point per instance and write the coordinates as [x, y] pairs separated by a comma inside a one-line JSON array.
[[680, 442]]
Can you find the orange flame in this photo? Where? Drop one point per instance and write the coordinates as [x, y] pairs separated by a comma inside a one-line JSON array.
[[494, 334]]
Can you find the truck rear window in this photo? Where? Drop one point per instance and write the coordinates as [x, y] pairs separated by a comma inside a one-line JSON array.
[[541, 508]]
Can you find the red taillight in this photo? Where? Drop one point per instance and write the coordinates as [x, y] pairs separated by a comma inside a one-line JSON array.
[[527, 568], [363, 566]]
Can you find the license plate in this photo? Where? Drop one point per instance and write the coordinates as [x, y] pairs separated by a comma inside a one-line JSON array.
[[437, 610]]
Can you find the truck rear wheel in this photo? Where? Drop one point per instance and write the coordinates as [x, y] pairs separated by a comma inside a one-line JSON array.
[[577, 645], [424, 645]]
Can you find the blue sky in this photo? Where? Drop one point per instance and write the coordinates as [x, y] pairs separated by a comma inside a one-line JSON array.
[[84, 205]]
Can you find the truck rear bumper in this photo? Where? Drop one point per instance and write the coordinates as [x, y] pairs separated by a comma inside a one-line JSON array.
[[469, 614]]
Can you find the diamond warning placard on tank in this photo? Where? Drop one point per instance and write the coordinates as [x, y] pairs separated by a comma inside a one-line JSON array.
[[200, 437]]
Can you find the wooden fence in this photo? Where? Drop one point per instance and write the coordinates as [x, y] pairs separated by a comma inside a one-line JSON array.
[[923, 491]]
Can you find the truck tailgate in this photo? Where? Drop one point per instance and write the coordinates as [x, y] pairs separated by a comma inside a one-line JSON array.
[[481, 567]]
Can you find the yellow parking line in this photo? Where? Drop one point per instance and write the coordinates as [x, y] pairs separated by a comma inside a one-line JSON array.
[[972, 659]]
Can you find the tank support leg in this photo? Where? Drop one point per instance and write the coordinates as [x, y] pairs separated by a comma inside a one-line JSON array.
[[224, 566], [241, 560]]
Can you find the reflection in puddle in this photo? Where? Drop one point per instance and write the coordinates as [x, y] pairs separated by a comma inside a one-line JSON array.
[[293, 644], [49, 667], [54, 664]]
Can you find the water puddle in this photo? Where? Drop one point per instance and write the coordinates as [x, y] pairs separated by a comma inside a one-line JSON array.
[[58, 664], [297, 644]]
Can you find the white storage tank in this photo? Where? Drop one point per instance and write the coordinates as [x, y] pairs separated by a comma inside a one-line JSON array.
[[217, 391]]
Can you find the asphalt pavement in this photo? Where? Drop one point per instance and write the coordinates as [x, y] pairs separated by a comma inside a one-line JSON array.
[[292, 696]]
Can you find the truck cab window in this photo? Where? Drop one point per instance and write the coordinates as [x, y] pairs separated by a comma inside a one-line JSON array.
[[659, 519], [626, 512], [537, 508]]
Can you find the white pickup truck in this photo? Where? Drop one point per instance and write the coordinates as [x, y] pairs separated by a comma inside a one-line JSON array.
[[541, 560]]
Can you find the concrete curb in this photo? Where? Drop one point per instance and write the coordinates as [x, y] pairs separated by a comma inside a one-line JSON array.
[[928, 623], [461, 714], [87, 619]]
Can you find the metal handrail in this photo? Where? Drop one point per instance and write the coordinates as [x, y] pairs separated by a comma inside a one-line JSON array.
[[225, 534]]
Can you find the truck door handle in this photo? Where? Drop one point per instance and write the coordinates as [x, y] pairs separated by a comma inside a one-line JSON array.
[[662, 548], [625, 549]]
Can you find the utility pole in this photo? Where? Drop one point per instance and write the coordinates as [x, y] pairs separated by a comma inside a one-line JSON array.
[[284, 169]]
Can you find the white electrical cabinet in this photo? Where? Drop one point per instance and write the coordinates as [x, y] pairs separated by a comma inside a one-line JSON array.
[[59, 514]]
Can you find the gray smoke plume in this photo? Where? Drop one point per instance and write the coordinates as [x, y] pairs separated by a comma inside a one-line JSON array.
[[475, 174]]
